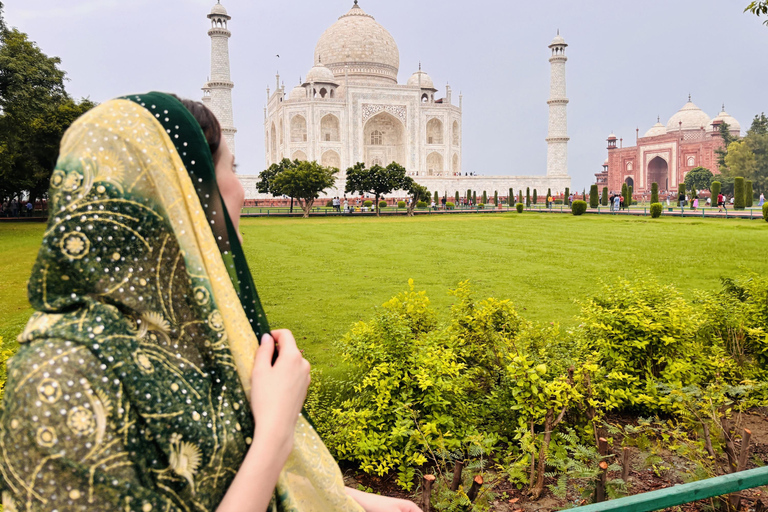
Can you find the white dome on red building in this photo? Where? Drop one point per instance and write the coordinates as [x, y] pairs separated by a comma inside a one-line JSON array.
[[690, 117]]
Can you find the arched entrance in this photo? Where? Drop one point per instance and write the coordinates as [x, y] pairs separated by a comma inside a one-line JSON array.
[[658, 172], [384, 140], [630, 182], [435, 164]]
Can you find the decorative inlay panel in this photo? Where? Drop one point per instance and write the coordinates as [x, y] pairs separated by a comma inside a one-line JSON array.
[[399, 111]]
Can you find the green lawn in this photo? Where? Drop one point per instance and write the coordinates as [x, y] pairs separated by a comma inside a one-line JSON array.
[[318, 276]]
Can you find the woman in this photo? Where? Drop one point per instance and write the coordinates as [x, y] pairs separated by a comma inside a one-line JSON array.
[[138, 385]]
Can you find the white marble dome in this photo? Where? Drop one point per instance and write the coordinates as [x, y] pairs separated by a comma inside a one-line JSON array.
[[219, 9], [558, 41], [656, 130], [692, 117], [320, 73], [357, 43], [298, 93], [724, 117], [426, 80]]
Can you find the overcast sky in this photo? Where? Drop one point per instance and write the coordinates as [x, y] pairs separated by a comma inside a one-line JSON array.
[[627, 62]]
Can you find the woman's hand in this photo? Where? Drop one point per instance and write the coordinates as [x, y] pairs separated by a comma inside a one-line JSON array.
[[278, 391], [376, 503]]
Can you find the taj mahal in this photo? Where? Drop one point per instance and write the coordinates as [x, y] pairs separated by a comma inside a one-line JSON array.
[[351, 108]]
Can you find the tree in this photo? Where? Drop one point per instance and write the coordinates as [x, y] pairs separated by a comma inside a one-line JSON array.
[[715, 189], [457, 197], [485, 197], [740, 160], [474, 197], [535, 197], [758, 8], [757, 140], [265, 185], [625, 193], [528, 197], [631, 195], [496, 198], [699, 178], [654, 192], [415, 191], [725, 134], [604, 198], [593, 199], [469, 195], [305, 182], [738, 195], [511, 198], [35, 111], [749, 195], [377, 180]]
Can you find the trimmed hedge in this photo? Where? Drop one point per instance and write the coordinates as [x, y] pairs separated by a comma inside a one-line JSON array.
[[593, 200], [520, 206], [368, 203], [528, 197], [421, 204], [535, 197], [511, 198], [765, 211], [481, 205], [457, 198], [739, 202], [579, 207], [714, 187], [749, 195], [604, 198], [401, 204], [656, 210], [654, 193], [382, 204], [450, 205]]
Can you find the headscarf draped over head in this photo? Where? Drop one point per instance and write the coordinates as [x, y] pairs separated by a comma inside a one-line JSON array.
[[130, 388]]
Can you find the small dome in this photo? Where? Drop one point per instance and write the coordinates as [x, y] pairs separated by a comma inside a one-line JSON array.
[[558, 41], [298, 93], [606, 162], [426, 80], [724, 117], [612, 137], [691, 117], [656, 130], [219, 9], [320, 73]]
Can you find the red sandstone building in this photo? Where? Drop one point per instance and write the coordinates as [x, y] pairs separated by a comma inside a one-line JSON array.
[[666, 153]]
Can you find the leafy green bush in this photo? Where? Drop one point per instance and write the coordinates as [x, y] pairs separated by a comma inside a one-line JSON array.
[[739, 198], [401, 204], [579, 207], [421, 204], [368, 203], [481, 205], [654, 193], [715, 189], [520, 206], [765, 211], [656, 210], [604, 197], [382, 204], [450, 205]]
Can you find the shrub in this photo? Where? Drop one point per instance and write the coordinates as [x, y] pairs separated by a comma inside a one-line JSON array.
[[535, 197], [654, 193], [421, 204], [567, 193], [739, 200], [368, 203], [329, 203], [528, 197], [749, 195], [604, 198], [715, 189], [558, 201], [485, 197], [401, 204], [579, 207], [457, 198], [496, 198], [511, 198], [765, 211], [630, 198], [625, 193], [656, 210], [520, 206], [481, 205], [382, 204], [469, 195], [450, 205], [593, 199], [474, 197]]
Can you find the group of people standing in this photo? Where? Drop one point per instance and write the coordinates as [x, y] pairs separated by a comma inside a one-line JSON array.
[[16, 208], [616, 202]]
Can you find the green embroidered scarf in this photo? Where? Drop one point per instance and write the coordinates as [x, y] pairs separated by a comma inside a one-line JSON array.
[[130, 389]]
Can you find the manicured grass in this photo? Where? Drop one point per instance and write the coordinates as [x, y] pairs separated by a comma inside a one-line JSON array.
[[318, 276]]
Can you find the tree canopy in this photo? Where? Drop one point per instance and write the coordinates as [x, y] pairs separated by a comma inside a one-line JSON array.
[[748, 157], [758, 8], [376, 181], [305, 182], [35, 111], [699, 178]]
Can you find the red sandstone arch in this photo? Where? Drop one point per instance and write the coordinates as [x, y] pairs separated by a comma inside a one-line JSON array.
[[658, 172]]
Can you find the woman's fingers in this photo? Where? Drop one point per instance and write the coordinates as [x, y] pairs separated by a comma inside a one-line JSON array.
[[265, 351], [285, 339]]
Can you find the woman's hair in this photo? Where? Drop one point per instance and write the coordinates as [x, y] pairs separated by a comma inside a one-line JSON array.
[[208, 122]]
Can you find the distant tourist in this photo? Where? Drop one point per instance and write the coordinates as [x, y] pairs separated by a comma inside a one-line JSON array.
[[681, 199], [761, 202], [695, 203], [721, 203], [616, 202]]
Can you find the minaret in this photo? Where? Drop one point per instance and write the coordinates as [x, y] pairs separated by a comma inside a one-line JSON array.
[[557, 137], [217, 93]]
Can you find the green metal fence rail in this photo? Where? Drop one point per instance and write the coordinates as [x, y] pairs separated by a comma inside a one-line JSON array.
[[684, 493]]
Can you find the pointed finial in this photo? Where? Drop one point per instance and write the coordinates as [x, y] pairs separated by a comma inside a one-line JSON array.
[[689, 97], [558, 31], [723, 107], [355, 2], [419, 65], [658, 119]]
